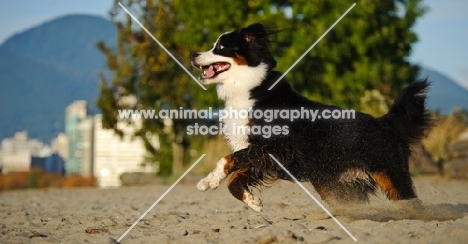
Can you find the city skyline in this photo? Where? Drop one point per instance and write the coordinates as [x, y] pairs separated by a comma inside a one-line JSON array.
[[85, 148]]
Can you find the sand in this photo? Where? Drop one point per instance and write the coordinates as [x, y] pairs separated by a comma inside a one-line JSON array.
[[185, 215]]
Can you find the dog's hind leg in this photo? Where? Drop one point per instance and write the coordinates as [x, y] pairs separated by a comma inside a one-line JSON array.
[[239, 185], [397, 186]]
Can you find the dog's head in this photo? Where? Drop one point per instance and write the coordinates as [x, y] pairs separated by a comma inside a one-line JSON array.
[[237, 56]]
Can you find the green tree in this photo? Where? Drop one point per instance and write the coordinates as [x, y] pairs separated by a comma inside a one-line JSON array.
[[367, 50]]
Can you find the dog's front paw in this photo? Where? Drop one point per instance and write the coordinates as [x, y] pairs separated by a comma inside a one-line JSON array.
[[214, 178], [257, 205], [214, 184], [203, 185], [211, 181], [253, 202]]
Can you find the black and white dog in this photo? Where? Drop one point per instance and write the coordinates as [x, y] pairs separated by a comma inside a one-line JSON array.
[[344, 159]]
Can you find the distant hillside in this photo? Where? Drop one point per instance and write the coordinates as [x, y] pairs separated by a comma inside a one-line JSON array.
[[444, 94], [68, 43], [46, 68]]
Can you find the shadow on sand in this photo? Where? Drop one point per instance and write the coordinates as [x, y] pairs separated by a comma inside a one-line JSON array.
[[430, 212]]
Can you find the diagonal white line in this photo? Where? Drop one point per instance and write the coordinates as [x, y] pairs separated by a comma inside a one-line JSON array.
[[159, 199], [162, 46], [312, 196], [313, 45]]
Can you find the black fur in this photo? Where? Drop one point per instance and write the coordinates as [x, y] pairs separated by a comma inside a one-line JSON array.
[[321, 151], [251, 42]]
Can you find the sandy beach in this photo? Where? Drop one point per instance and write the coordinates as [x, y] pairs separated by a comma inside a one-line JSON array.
[[185, 215]]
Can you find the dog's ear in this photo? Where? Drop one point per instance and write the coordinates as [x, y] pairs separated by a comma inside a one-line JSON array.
[[253, 31], [247, 37]]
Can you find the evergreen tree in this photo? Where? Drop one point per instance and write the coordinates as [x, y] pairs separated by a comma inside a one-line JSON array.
[[367, 50]]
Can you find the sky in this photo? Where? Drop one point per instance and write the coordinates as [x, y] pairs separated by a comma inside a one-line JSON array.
[[442, 46]]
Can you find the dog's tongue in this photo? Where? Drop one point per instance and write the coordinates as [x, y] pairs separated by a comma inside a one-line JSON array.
[[210, 72]]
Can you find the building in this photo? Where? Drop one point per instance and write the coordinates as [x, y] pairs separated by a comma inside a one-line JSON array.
[[114, 155], [79, 131], [59, 145], [95, 151], [17, 152], [52, 163], [85, 146], [19, 161]]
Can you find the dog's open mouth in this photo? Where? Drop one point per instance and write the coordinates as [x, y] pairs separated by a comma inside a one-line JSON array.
[[213, 69]]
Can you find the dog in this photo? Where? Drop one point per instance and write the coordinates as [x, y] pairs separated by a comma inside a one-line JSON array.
[[345, 160]]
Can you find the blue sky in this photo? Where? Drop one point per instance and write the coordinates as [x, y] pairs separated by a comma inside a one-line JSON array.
[[442, 46]]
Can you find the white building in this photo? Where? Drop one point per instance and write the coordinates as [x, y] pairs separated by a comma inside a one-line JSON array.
[[78, 129], [85, 146], [59, 145], [16, 152], [17, 162], [114, 155]]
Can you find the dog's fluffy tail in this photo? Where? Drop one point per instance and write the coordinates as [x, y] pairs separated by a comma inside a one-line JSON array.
[[408, 115]]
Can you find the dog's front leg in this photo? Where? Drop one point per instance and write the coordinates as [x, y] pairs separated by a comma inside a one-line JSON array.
[[253, 156], [239, 185], [241, 164], [213, 179]]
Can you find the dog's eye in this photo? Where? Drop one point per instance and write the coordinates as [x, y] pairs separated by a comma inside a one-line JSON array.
[[219, 46]]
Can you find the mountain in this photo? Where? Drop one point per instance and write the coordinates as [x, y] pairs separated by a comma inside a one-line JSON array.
[[46, 68], [444, 94]]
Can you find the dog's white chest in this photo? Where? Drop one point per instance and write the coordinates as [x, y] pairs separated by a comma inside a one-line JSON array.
[[235, 119]]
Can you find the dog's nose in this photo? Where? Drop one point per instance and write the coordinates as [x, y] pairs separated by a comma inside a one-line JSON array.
[[194, 55]]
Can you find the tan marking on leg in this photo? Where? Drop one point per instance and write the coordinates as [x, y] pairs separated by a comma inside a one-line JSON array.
[[235, 175], [234, 187], [386, 185], [229, 164], [238, 186]]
